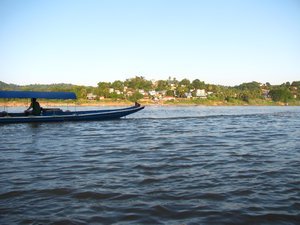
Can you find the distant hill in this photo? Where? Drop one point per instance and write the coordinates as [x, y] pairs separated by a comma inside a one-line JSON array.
[[5, 86], [37, 87]]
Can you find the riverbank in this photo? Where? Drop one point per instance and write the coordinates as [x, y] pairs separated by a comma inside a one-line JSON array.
[[175, 102]]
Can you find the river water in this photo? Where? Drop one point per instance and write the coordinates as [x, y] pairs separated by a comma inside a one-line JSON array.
[[162, 165]]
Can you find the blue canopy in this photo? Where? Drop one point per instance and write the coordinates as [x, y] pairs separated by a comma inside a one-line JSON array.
[[37, 94]]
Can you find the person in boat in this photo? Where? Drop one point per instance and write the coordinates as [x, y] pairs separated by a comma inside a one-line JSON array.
[[36, 108]]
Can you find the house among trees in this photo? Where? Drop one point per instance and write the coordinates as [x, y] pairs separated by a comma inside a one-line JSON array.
[[91, 96], [265, 93], [200, 93], [152, 93], [118, 92], [142, 91], [188, 95], [129, 92]]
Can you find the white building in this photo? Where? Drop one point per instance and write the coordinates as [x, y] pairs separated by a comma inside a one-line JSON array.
[[91, 96], [118, 92], [141, 91], [201, 93], [153, 93]]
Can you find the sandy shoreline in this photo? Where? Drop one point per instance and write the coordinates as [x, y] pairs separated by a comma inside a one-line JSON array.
[[121, 104], [57, 104]]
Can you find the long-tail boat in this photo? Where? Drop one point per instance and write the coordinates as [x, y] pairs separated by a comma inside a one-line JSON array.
[[57, 114]]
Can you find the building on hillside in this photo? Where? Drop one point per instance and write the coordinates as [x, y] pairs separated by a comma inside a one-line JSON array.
[[294, 91], [188, 95], [129, 93], [201, 93], [162, 93], [173, 87], [142, 91], [91, 96], [265, 93], [118, 92], [152, 93]]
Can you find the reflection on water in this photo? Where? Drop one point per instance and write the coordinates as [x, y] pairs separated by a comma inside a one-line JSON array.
[[163, 165]]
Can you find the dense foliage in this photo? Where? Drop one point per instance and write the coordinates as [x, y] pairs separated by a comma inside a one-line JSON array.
[[138, 87], [281, 94]]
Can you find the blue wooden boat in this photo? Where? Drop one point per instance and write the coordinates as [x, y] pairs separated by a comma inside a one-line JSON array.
[[58, 115]]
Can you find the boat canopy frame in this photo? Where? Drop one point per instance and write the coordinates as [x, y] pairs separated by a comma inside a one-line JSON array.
[[37, 94]]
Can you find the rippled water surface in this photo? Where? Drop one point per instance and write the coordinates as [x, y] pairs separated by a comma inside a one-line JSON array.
[[163, 165]]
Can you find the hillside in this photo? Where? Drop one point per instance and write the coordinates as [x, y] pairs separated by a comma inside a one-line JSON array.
[[37, 87], [5, 86], [173, 91]]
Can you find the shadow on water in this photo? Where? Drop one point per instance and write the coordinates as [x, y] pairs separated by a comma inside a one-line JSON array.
[[35, 125]]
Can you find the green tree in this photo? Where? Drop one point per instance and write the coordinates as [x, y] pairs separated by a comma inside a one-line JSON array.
[[251, 90], [180, 91], [173, 81], [114, 95], [103, 89], [185, 82], [80, 91], [170, 93], [162, 85], [118, 85], [197, 84], [296, 84], [287, 84], [135, 97], [282, 94], [138, 83]]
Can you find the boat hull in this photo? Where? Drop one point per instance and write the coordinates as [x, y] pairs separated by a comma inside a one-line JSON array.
[[94, 115]]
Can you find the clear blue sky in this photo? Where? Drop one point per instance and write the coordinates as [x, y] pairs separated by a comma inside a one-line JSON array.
[[84, 42]]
